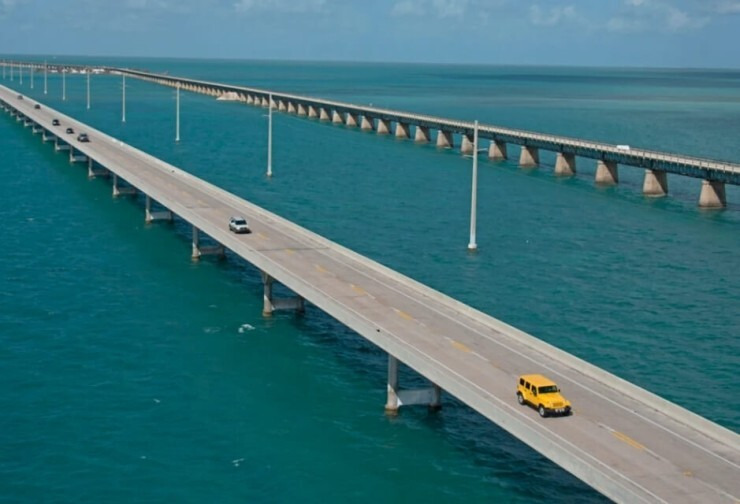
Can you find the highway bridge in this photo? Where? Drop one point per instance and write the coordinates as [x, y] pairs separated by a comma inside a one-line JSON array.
[[713, 174], [627, 443]]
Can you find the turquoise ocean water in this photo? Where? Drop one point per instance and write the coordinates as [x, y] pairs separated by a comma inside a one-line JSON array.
[[131, 374]]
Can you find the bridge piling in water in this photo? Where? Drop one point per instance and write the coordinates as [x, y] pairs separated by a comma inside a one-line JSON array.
[[565, 164], [351, 120], [199, 250], [120, 190], [497, 151], [151, 216], [272, 303], [444, 139], [397, 397], [529, 157], [92, 172], [384, 126], [712, 194], [336, 117], [466, 145], [367, 124], [422, 135], [402, 130], [607, 173], [655, 183]]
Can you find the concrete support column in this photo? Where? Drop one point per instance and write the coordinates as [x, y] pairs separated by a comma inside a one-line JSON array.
[[466, 146], [291, 108], [199, 251], [119, 190], [74, 158], [607, 173], [157, 215], [422, 134], [384, 127], [565, 164], [281, 106], [392, 402], [263, 102], [530, 157], [445, 140], [655, 183], [60, 146], [242, 98], [336, 117], [367, 123], [497, 151], [312, 112], [712, 194], [402, 130], [273, 103], [92, 172], [323, 114], [250, 99], [351, 120], [271, 303], [397, 397], [301, 110]]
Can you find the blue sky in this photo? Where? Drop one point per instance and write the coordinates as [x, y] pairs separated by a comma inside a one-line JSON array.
[[672, 33]]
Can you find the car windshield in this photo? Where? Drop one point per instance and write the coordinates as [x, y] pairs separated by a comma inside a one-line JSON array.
[[240, 222], [550, 389]]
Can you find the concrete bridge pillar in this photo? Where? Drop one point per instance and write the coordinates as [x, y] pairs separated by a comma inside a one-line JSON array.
[[47, 138], [351, 120], [422, 134], [198, 250], [402, 130], [565, 164], [655, 184], [301, 110], [466, 147], [445, 140], [281, 106], [368, 124], [271, 303], [273, 104], [529, 157], [336, 117], [607, 173], [712, 194], [242, 98], [264, 103], [397, 397], [157, 215], [74, 158], [60, 146], [291, 108], [119, 190], [92, 172], [497, 151], [250, 99], [312, 112], [384, 127], [323, 114]]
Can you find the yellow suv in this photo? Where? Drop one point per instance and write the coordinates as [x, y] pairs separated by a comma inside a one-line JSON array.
[[542, 394]]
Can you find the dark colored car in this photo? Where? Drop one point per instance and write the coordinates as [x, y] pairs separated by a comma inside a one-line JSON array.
[[82, 137], [20, 97], [70, 131], [55, 122], [37, 106]]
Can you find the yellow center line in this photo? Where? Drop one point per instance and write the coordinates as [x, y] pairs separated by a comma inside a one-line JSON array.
[[262, 236], [460, 346], [289, 251], [320, 268], [358, 289], [688, 473], [625, 438], [403, 314]]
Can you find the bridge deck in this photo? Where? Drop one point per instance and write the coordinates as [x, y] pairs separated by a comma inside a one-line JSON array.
[[624, 441]]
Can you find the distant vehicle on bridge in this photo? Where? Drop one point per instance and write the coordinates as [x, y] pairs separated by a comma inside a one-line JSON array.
[[239, 225], [82, 137], [70, 131], [55, 122], [542, 394]]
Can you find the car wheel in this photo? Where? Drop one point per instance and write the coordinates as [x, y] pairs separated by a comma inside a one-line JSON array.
[[542, 411], [520, 398]]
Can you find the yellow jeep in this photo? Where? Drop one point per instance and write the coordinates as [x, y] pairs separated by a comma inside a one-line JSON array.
[[542, 394]]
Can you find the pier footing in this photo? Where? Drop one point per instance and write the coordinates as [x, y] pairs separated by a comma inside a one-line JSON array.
[[655, 184], [607, 173], [565, 164], [712, 194], [271, 303], [397, 397]]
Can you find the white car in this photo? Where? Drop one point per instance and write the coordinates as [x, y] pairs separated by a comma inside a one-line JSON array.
[[239, 225]]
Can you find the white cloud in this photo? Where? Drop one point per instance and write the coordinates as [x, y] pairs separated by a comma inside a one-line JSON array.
[[446, 9], [297, 6], [656, 15], [552, 16], [728, 7]]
